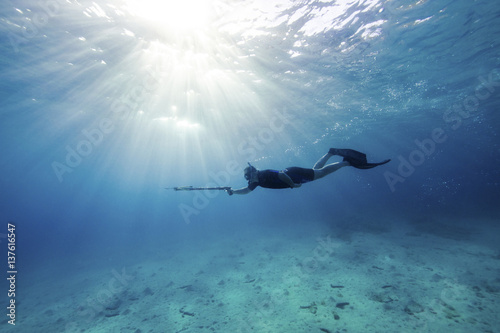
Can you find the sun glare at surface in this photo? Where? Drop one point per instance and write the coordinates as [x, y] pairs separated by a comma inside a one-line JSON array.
[[180, 15]]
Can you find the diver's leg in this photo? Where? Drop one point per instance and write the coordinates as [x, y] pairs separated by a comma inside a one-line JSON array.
[[322, 172], [340, 152], [322, 161]]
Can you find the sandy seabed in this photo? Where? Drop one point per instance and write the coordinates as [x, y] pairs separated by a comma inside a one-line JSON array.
[[358, 276]]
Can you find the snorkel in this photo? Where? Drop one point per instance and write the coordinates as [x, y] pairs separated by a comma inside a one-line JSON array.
[[249, 170]]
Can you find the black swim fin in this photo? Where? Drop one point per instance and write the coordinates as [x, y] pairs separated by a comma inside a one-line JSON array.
[[355, 158], [361, 165]]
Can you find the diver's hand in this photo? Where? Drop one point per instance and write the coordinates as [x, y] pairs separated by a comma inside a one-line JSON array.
[[296, 185], [230, 191]]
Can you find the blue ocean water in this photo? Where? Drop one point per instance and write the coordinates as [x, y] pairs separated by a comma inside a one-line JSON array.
[[106, 104]]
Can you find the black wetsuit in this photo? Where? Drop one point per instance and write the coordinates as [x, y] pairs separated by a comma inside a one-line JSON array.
[[270, 178]]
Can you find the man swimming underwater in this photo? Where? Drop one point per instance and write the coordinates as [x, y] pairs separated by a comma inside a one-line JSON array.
[[295, 176]]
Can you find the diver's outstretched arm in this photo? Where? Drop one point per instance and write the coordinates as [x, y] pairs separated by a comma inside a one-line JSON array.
[[244, 190]]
